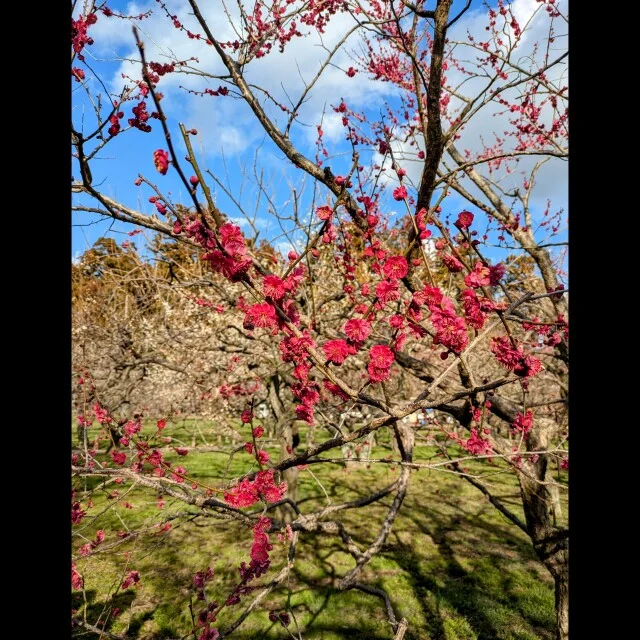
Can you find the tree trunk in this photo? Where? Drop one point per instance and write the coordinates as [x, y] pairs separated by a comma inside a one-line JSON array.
[[556, 506], [562, 605], [550, 542], [285, 513], [552, 547], [284, 431]]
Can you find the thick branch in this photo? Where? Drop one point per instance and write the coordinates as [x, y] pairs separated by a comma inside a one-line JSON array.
[[492, 499]]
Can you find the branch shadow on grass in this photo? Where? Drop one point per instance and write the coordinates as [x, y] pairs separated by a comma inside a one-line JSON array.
[[464, 574], [488, 599], [97, 610]]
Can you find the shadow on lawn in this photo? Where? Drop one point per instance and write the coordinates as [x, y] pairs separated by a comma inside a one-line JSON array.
[[491, 595], [314, 633], [98, 610], [500, 593], [472, 576]]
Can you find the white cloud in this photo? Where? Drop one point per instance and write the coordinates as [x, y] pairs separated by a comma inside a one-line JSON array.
[[221, 125], [226, 123], [110, 34], [283, 246], [332, 127], [551, 181], [224, 120]]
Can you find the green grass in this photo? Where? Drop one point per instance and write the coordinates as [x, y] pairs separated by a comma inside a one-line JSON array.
[[453, 566]]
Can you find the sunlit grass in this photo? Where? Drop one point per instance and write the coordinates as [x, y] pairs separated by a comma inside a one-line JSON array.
[[453, 566]]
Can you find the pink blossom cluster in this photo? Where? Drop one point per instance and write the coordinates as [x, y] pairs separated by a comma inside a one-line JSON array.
[[514, 358], [161, 160], [450, 329], [77, 581], [380, 360], [480, 276], [295, 349], [523, 423], [77, 513], [421, 224], [249, 492], [85, 549], [200, 580], [476, 445], [79, 37], [546, 330], [281, 616], [101, 414], [474, 308], [133, 578], [229, 252], [140, 117]]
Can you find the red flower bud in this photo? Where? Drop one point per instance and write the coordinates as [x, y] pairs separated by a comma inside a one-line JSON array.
[[465, 218], [400, 193], [161, 160]]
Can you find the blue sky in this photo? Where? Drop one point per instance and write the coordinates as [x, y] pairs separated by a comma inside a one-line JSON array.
[[228, 135]]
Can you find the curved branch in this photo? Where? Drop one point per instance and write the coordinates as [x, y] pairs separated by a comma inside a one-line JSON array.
[[283, 143]]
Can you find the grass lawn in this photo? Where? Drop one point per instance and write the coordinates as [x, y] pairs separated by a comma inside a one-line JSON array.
[[452, 565]]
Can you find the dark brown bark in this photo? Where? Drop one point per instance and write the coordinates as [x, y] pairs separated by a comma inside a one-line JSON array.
[[550, 542], [562, 605], [284, 431], [434, 136]]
